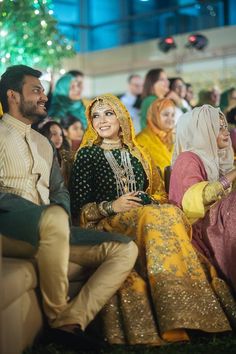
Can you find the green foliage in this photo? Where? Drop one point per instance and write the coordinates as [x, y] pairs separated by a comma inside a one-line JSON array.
[[29, 35]]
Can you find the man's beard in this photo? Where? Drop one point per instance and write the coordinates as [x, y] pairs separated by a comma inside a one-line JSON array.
[[29, 111]]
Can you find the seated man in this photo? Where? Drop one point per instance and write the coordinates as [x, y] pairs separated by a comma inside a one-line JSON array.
[[34, 215]]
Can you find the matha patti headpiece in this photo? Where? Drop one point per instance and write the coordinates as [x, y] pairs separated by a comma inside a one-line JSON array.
[[98, 106]]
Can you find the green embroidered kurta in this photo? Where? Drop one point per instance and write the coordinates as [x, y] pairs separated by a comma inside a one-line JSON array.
[[91, 183]]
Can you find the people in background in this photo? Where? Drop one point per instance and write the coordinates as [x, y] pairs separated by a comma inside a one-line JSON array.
[[215, 94], [228, 100], [189, 96], [73, 130], [204, 97], [132, 99], [156, 85], [177, 93], [116, 187], [233, 139], [54, 132], [67, 98], [231, 119], [209, 96], [158, 136], [202, 179], [35, 217]]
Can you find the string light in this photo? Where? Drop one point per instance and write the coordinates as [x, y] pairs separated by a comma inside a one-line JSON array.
[[29, 35], [3, 33], [43, 23]]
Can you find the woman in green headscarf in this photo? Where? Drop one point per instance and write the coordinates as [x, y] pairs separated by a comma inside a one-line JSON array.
[[66, 99]]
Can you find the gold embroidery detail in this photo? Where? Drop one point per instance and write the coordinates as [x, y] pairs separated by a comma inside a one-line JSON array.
[[212, 192]]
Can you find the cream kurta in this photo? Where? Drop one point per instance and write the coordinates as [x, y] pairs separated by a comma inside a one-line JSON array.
[[27, 172]]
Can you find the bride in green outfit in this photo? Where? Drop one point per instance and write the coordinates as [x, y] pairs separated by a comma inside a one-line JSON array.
[[115, 187]]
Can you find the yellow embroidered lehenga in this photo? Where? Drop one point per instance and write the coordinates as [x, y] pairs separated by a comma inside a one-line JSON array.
[[169, 290]]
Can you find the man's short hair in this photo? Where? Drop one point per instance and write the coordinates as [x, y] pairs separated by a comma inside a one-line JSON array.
[[132, 76], [13, 79]]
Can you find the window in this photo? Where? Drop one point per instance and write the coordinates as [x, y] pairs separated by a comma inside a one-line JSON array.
[[96, 25]]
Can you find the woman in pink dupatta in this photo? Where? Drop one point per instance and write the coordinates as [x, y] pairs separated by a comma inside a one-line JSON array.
[[201, 184]]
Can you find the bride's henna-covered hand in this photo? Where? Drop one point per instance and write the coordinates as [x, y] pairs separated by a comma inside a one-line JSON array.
[[126, 202]]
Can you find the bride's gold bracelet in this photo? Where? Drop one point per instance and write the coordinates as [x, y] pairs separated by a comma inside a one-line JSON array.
[[105, 208]]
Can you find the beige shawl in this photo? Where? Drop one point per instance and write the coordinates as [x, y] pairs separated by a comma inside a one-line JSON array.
[[197, 131]]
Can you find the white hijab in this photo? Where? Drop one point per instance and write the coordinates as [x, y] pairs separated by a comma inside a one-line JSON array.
[[197, 132]]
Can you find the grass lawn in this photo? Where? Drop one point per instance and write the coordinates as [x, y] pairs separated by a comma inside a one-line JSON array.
[[214, 344]]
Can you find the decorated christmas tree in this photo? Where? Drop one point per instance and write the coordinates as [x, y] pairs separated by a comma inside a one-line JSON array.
[[29, 35]]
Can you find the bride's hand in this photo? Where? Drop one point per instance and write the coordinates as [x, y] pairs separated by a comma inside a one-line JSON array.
[[126, 202]]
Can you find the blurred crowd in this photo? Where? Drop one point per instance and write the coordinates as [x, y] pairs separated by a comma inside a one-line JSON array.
[[154, 102]]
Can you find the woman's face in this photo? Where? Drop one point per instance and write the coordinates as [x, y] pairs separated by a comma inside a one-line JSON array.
[[75, 131], [161, 86], [180, 88], [105, 122], [215, 96], [76, 88], [56, 136], [189, 94], [167, 119], [223, 138]]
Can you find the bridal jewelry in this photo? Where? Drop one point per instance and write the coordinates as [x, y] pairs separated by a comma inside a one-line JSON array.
[[105, 208], [98, 105], [111, 144], [124, 174]]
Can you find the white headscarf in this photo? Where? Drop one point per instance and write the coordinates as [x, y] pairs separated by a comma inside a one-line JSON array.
[[197, 132]]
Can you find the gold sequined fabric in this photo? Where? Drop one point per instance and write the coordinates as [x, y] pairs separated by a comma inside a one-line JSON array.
[[128, 316], [171, 290]]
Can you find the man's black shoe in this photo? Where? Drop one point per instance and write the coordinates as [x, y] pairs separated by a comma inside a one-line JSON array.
[[76, 340], [97, 342]]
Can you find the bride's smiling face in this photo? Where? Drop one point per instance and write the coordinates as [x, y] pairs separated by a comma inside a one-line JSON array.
[[105, 121]]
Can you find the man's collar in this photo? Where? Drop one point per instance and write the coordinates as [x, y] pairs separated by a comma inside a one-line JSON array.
[[17, 124]]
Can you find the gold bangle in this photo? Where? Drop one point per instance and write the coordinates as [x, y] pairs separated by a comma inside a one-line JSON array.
[[101, 208], [109, 209]]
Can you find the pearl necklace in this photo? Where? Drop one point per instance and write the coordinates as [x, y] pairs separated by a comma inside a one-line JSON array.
[[123, 173]]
